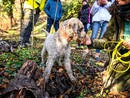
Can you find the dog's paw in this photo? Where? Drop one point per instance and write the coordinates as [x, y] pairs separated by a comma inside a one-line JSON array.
[[72, 78], [46, 78]]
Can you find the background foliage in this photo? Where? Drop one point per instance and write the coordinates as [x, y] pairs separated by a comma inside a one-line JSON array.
[[71, 8], [7, 6]]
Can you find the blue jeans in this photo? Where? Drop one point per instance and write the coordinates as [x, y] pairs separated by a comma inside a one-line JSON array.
[[50, 22], [95, 28], [28, 25]]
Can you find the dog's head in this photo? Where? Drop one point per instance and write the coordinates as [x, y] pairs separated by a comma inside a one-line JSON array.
[[74, 29]]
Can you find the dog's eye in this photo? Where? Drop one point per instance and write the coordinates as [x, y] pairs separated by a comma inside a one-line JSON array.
[[81, 29]]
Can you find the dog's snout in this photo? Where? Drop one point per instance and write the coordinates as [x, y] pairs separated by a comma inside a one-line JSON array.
[[75, 37], [83, 34]]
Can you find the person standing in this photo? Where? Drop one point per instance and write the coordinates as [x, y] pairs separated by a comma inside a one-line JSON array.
[[100, 20], [117, 78], [53, 9], [84, 15], [31, 13]]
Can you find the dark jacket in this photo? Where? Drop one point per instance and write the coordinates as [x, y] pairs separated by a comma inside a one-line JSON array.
[[84, 14], [53, 9]]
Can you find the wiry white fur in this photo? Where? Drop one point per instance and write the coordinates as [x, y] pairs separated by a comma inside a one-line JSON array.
[[58, 47]]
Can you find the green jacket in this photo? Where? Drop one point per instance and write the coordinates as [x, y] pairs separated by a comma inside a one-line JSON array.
[[114, 32]]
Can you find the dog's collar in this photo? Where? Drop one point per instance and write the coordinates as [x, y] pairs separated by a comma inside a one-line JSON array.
[[64, 35]]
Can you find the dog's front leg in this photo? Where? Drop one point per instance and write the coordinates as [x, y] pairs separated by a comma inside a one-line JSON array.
[[69, 70], [49, 64]]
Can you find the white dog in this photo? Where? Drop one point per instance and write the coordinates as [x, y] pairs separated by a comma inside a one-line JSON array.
[[57, 45]]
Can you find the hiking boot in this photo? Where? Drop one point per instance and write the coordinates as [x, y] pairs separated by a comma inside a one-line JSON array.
[[28, 44]]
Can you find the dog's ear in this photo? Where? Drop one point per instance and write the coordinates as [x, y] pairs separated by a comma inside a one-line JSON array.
[[65, 25]]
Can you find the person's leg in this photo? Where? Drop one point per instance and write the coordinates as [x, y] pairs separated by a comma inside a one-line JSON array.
[[85, 27], [95, 29], [56, 25], [104, 26], [49, 24], [117, 80], [36, 16], [27, 22], [88, 26]]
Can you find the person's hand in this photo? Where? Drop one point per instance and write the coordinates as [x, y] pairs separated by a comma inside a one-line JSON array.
[[126, 43], [122, 2], [86, 40]]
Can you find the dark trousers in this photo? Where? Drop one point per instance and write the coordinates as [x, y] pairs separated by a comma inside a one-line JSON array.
[[28, 25], [86, 27], [50, 22]]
